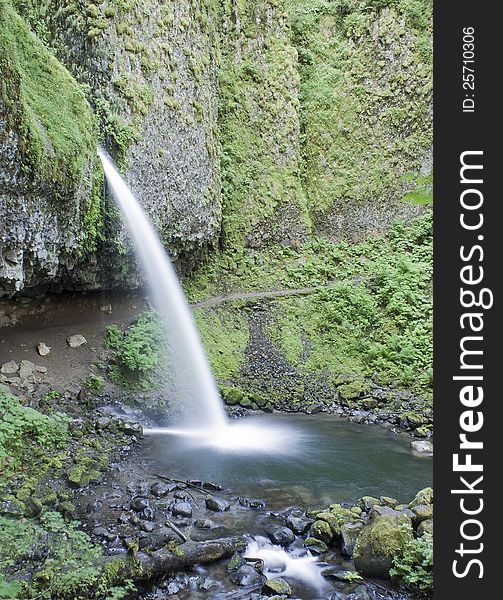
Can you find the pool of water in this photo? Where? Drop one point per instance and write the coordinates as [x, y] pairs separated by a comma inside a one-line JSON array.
[[327, 460]]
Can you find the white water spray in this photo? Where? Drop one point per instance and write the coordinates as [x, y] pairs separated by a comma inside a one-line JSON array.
[[193, 382], [279, 563], [192, 385]]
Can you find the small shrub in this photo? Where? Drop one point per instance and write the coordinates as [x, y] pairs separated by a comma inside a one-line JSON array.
[[66, 563], [414, 567], [27, 432], [94, 383]]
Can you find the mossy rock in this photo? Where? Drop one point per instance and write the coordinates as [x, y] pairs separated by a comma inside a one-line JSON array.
[[385, 537], [355, 389], [413, 419], [322, 530], [82, 475], [424, 496], [278, 586], [315, 545], [425, 527]]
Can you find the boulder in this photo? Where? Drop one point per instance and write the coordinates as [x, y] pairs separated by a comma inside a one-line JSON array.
[[9, 368], [182, 509], [425, 527], [315, 545], [422, 447], [424, 496], [368, 502], [349, 534], [321, 530], [421, 512], [298, 524], [379, 541], [277, 587], [43, 349], [217, 504], [282, 536], [75, 341], [241, 573]]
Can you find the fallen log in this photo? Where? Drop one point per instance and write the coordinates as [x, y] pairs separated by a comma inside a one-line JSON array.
[[141, 566]]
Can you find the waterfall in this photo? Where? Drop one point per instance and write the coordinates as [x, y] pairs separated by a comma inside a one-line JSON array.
[[193, 386]]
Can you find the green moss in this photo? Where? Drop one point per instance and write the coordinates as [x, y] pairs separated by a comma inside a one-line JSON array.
[[258, 127], [53, 559], [29, 440], [225, 337], [365, 118], [45, 106]]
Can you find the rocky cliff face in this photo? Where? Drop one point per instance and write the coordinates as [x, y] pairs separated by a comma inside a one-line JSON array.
[[238, 123]]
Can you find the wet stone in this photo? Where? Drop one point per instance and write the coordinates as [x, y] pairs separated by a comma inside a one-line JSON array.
[[159, 489], [298, 525], [75, 341], [139, 504], [217, 504], [9, 368], [282, 536], [147, 526], [204, 523], [182, 509]]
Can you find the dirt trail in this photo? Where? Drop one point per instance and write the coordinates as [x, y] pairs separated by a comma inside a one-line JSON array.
[[237, 296]]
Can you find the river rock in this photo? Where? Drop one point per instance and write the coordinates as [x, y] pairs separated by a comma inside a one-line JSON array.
[[182, 509], [75, 341], [321, 530], [244, 574], [159, 489], [282, 536], [421, 512], [315, 546], [379, 541], [26, 369], [349, 535], [297, 524], [368, 502], [277, 587], [139, 504], [424, 496], [422, 447], [204, 523], [425, 527], [9, 368], [43, 349], [217, 504]]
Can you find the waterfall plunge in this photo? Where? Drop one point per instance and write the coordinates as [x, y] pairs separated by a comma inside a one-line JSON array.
[[193, 387]]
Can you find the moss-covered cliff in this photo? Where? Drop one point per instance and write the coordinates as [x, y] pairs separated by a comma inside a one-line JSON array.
[[238, 124], [47, 153]]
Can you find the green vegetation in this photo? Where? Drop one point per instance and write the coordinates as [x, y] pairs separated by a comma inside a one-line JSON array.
[[365, 100], [258, 124], [59, 560], [94, 383], [414, 566], [225, 336], [139, 357], [28, 439], [44, 105], [379, 328]]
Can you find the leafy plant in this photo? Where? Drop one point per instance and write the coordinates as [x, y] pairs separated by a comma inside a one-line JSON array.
[[414, 567], [27, 432], [64, 561], [94, 383], [139, 351]]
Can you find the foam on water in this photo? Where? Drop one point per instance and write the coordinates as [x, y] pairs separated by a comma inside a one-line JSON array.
[[279, 563]]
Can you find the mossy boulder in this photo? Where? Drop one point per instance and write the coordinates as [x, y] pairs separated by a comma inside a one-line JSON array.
[[379, 542], [425, 527], [321, 530], [424, 496], [277, 587], [315, 545]]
